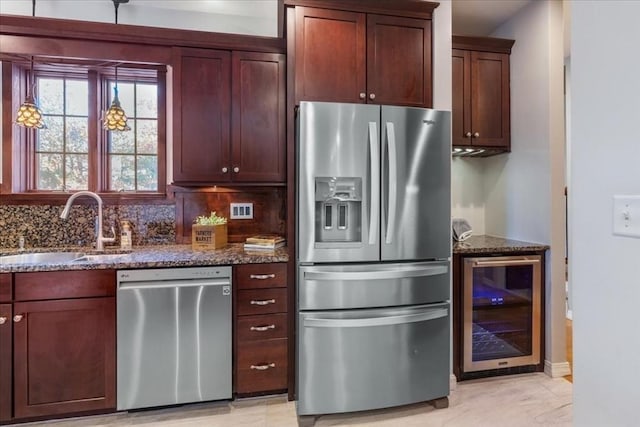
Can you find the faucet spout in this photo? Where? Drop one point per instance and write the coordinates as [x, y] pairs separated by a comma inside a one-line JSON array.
[[100, 239]]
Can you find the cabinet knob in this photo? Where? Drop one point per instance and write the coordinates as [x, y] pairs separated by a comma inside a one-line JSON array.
[[225, 170], [363, 95], [476, 135], [17, 318], [372, 96], [236, 169], [468, 134], [3, 320]]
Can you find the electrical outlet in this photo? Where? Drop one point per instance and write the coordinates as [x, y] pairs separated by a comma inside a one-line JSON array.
[[241, 210]]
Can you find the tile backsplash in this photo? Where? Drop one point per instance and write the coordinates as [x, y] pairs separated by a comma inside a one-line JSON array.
[[42, 227]]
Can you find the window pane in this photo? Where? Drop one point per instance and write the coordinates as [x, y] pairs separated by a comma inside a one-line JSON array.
[[123, 142], [50, 95], [50, 139], [122, 173], [147, 173], [49, 171], [147, 101], [77, 101], [77, 135], [126, 96], [77, 171], [147, 135]]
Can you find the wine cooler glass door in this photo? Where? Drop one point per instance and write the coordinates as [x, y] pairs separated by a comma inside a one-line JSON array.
[[501, 312]]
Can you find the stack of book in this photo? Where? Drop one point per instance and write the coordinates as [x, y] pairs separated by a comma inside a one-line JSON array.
[[264, 242]]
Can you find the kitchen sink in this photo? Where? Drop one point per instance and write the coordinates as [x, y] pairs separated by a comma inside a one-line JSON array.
[[42, 258], [100, 258]]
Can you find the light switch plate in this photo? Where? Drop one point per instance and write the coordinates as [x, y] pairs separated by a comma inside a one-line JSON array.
[[626, 215], [241, 211]]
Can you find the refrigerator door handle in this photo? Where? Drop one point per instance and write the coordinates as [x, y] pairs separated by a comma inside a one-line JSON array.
[[393, 183], [374, 206], [390, 319], [376, 274]]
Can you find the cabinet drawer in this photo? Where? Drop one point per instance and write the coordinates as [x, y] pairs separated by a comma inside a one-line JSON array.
[[262, 301], [252, 276], [64, 284], [262, 366], [268, 326]]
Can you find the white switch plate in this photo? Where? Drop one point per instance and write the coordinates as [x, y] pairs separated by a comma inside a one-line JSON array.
[[241, 210], [626, 215]]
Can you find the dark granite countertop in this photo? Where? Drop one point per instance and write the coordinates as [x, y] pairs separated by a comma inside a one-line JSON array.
[[485, 244], [149, 257]]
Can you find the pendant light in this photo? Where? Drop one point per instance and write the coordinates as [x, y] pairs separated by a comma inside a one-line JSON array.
[[29, 114], [114, 118]]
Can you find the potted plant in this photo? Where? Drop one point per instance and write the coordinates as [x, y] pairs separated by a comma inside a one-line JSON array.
[[209, 232]]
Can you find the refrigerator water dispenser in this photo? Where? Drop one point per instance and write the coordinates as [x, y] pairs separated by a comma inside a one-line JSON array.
[[337, 209]]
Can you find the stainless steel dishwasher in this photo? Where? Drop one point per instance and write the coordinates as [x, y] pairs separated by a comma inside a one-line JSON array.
[[174, 336]]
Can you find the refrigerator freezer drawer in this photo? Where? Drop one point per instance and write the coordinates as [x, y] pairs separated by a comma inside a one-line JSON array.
[[329, 287], [353, 360]]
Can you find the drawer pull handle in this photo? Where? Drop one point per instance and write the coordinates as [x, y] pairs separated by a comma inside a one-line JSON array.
[[3, 320], [263, 302], [262, 328], [263, 367], [262, 276], [17, 318]]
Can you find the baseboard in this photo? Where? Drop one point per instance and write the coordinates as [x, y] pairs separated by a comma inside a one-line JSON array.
[[556, 370], [453, 382]]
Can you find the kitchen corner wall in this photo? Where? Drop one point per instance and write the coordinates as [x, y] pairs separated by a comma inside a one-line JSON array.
[[42, 227], [468, 193]]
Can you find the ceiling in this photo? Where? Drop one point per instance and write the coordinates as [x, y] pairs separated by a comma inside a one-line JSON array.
[[482, 17]]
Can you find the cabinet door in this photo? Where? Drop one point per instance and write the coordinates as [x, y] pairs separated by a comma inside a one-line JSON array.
[[202, 116], [490, 99], [329, 55], [64, 356], [258, 117], [461, 97], [398, 61], [6, 327]]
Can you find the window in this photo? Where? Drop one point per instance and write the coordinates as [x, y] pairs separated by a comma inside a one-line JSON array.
[[62, 149], [74, 152], [133, 155]]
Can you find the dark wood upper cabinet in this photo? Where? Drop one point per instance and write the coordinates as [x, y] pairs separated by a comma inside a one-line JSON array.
[[258, 132], [202, 111], [359, 57], [399, 60], [229, 110], [481, 93]]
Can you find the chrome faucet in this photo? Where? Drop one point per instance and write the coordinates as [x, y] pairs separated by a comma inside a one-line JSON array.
[[100, 239]]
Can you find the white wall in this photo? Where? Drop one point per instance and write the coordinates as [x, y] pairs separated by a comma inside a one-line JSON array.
[[254, 17], [467, 192], [605, 113], [525, 189]]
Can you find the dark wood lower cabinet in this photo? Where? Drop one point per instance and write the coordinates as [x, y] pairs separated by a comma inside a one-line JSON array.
[[6, 357], [64, 356], [262, 366]]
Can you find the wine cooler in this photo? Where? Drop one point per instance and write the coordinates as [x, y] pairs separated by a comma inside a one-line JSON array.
[[501, 312]]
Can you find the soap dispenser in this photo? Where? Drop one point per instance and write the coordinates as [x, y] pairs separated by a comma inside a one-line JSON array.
[[125, 235]]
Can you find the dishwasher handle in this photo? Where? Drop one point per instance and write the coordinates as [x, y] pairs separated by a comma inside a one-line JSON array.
[[161, 284]]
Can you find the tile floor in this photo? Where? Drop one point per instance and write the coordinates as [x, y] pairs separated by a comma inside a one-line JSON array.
[[511, 401]]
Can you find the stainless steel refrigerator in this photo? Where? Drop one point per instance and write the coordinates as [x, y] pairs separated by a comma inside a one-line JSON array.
[[373, 256]]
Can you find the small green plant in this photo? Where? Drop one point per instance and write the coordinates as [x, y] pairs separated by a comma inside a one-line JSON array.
[[212, 219]]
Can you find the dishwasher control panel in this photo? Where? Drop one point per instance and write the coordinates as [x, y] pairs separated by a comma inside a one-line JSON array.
[[182, 273]]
